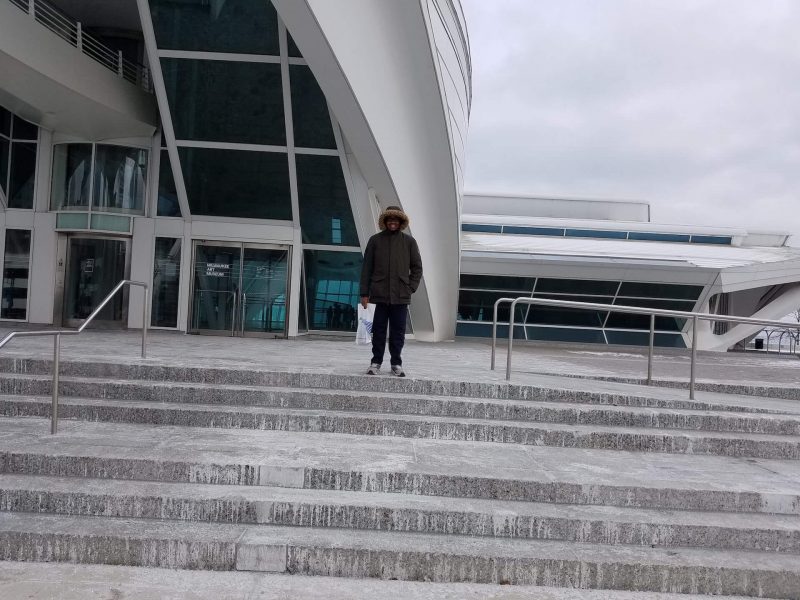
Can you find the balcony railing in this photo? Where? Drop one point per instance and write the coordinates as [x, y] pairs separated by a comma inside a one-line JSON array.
[[72, 32]]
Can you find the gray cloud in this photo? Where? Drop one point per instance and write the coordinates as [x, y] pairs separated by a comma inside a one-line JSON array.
[[692, 105]]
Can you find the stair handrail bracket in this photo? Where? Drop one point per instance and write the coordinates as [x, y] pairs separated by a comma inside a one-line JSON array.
[[57, 333], [694, 317]]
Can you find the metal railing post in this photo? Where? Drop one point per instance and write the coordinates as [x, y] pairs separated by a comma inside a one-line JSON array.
[[145, 321], [56, 368], [650, 350], [510, 338], [120, 71], [31, 8], [694, 358], [79, 36], [494, 330]]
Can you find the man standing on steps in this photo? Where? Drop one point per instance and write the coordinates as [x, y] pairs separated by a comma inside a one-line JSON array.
[[391, 272]]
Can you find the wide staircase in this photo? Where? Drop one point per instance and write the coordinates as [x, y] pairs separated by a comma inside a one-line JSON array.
[[569, 483]]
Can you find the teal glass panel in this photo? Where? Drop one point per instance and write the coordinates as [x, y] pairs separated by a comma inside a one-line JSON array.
[[110, 223], [325, 213], [237, 183], [331, 283], [23, 130], [657, 237], [239, 26], [597, 233], [520, 230], [16, 274], [294, 51], [166, 282], [119, 179], [312, 121], [265, 274], [72, 221], [477, 228], [72, 171], [523, 285], [222, 101], [711, 239], [168, 205], [22, 176], [5, 155]]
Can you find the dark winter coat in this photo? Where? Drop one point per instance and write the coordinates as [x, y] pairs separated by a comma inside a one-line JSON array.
[[392, 268]]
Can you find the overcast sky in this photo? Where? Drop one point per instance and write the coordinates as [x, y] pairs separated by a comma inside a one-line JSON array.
[[692, 105]]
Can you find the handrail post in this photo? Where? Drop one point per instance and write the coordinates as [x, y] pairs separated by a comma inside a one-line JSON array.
[[650, 349], [694, 358], [494, 331], [120, 71], [32, 8], [145, 320], [79, 36], [56, 368], [510, 337]]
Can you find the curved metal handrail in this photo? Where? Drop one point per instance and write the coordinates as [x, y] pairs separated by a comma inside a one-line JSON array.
[[638, 310], [57, 333]]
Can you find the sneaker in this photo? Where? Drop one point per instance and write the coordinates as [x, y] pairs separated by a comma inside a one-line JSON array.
[[373, 369], [397, 371]]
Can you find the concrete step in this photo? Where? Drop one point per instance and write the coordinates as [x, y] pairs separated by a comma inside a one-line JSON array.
[[720, 418], [398, 465], [46, 581], [382, 555], [396, 512], [636, 439], [547, 387]]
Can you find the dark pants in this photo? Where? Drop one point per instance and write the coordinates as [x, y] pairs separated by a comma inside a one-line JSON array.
[[393, 315]]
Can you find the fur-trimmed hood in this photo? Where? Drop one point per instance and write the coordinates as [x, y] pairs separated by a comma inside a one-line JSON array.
[[393, 211]]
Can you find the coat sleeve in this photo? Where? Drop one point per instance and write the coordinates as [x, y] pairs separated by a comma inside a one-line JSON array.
[[415, 271], [366, 268]]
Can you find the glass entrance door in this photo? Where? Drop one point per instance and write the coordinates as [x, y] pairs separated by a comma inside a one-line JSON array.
[[240, 289], [94, 267]]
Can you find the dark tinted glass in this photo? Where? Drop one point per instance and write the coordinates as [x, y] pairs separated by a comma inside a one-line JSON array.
[[658, 237], [577, 286], [22, 130], [485, 330], [549, 315], [479, 306], [532, 230], [225, 101], [168, 205], [15, 274], [481, 228], [294, 51], [72, 169], [711, 239], [23, 175], [236, 183], [325, 213], [240, 26], [635, 338], [5, 122], [524, 285], [557, 334], [630, 321], [331, 284], [166, 280], [660, 290], [312, 121], [5, 149], [119, 179], [597, 233]]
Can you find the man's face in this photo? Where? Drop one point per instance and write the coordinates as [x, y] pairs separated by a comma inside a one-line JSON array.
[[392, 223]]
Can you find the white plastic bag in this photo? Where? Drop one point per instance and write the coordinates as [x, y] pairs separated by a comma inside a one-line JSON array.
[[364, 331]]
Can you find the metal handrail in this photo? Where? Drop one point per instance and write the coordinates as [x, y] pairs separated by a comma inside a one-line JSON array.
[[72, 32], [637, 310], [59, 332]]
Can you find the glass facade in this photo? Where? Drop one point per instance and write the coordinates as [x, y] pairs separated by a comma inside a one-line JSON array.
[[331, 282], [16, 268], [72, 176], [168, 204], [479, 293], [325, 214], [166, 282], [312, 122], [18, 149]]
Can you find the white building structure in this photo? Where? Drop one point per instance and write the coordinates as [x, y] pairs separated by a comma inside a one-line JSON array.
[[610, 252], [234, 153]]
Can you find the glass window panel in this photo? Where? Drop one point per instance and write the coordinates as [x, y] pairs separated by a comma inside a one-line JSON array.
[[568, 316], [533, 230], [5, 122], [5, 155], [72, 170], [635, 338], [294, 51], [325, 213], [168, 205], [597, 233], [166, 282], [326, 271], [312, 121], [477, 228], [22, 176], [558, 334], [119, 179], [577, 286], [15, 274], [72, 220], [485, 330], [524, 285], [629, 321], [240, 26], [110, 223], [222, 101], [711, 239], [660, 290], [237, 183], [479, 306], [22, 130], [657, 237]]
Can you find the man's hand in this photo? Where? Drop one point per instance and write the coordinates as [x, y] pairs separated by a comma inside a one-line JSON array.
[[364, 301]]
